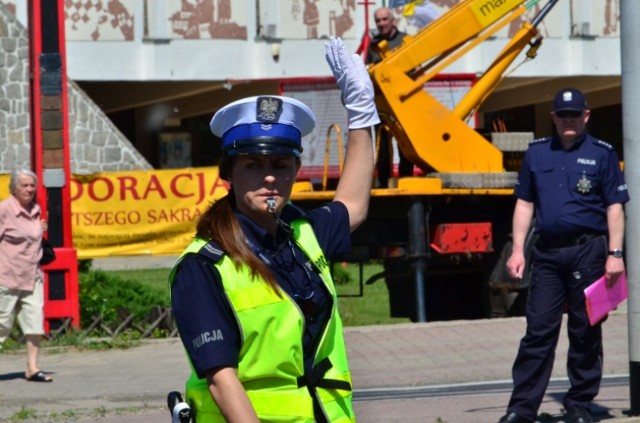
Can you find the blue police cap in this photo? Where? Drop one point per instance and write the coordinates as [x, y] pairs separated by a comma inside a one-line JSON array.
[[270, 125], [569, 99]]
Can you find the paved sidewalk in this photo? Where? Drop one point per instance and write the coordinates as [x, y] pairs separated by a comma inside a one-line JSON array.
[[131, 385]]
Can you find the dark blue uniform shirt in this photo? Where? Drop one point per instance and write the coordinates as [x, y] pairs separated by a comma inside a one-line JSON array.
[[201, 307], [571, 189]]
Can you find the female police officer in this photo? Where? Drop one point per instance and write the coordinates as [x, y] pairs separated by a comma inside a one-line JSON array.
[[252, 295]]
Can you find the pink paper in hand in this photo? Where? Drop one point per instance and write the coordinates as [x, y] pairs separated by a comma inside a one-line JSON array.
[[601, 300]]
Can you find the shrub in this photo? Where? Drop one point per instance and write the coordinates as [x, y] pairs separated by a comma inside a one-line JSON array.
[[113, 298]]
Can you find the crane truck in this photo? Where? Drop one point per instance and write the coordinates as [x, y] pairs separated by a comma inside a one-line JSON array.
[[444, 236]]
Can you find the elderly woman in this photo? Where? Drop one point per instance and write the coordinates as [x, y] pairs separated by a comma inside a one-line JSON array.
[[21, 283]]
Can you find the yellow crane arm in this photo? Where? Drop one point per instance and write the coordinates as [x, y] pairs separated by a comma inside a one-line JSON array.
[[430, 135]]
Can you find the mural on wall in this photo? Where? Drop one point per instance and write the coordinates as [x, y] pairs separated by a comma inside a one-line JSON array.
[[107, 20], [611, 18], [206, 19], [312, 19], [543, 28], [99, 20], [419, 13], [9, 6], [607, 23]]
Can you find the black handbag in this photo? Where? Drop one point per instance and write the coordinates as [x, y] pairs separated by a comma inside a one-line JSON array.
[[48, 253]]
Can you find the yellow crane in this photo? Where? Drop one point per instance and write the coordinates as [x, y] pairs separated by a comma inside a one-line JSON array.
[[444, 236]]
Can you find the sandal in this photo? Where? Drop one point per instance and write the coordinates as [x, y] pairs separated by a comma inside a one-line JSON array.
[[39, 376]]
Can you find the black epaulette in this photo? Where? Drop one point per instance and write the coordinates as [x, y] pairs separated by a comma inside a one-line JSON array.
[[211, 251], [601, 143], [540, 140], [291, 213]]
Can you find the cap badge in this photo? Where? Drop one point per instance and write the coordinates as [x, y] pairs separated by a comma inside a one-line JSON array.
[[584, 184], [268, 109], [567, 96]]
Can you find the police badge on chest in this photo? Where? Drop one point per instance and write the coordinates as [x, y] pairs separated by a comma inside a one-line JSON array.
[[584, 185]]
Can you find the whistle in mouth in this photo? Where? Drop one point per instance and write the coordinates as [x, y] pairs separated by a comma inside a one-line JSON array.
[[271, 203]]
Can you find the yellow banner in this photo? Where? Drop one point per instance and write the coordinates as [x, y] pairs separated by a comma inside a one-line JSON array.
[[4, 186], [138, 212]]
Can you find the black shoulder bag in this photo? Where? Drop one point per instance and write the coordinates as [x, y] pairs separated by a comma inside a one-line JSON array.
[[48, 253]]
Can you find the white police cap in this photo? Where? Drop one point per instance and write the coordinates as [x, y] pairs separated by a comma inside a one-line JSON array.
[[272, 125]]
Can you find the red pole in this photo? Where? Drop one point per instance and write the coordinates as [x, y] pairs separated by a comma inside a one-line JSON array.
[[366, 39], [50, 155], [35, 45]]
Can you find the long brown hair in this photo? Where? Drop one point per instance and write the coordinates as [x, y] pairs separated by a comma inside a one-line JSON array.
[[219, 223]]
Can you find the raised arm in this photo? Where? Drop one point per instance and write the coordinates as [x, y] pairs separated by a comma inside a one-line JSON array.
[[354, 187]]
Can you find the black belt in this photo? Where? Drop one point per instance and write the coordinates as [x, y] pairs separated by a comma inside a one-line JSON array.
[[564, 241], [315, 378]]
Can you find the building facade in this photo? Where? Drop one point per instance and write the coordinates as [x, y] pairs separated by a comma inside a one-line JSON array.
[[147, 75], [96, 144]]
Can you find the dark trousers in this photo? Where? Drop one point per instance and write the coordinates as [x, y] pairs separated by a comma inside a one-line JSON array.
[[559, 276], [384, 166]]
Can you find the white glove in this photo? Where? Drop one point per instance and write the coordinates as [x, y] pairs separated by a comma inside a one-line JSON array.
[[354, 81]]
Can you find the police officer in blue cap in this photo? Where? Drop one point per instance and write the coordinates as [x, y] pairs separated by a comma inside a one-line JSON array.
[[573, 186], [252, 295]]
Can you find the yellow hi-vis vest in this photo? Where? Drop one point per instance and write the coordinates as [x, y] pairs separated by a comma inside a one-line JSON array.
[[271, 362]]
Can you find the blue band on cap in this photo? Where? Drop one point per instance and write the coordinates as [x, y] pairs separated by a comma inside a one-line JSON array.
[[264, 146], [260, 130]]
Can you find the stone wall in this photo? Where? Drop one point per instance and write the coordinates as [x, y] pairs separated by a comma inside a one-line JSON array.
[[96, 145]]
